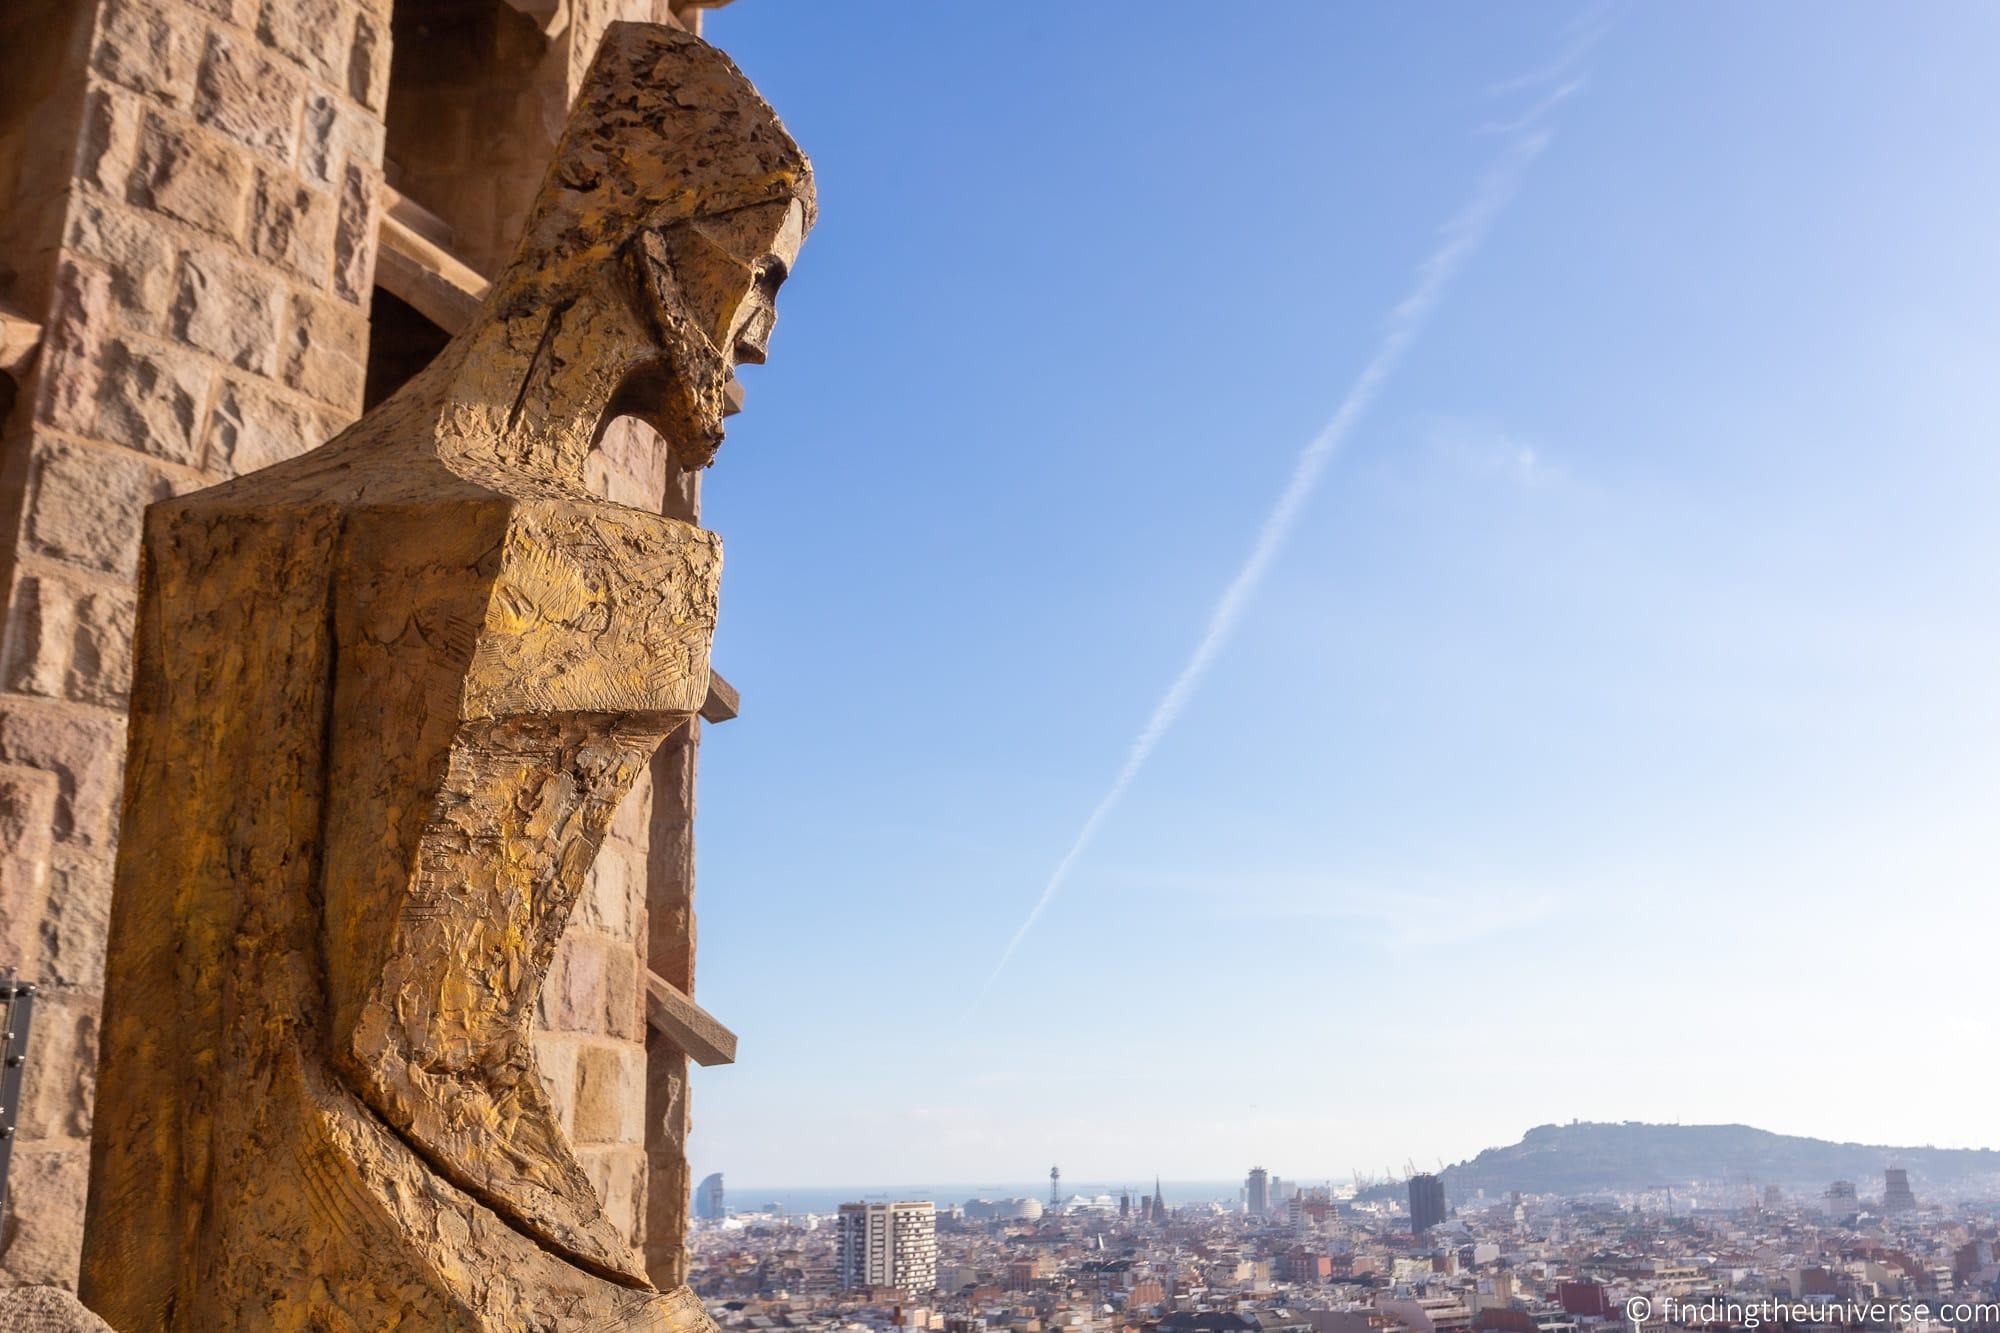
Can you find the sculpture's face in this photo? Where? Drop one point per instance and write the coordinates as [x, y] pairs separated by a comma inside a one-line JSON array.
[[708, 287], [730, 267]]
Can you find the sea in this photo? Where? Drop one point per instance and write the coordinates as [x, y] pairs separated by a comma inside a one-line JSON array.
[[796, 1199]]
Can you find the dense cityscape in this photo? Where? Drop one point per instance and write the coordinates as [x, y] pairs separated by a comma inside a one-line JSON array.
[[1397, 1257]]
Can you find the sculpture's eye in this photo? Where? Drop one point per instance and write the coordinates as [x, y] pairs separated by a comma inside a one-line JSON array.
[[771, 275]]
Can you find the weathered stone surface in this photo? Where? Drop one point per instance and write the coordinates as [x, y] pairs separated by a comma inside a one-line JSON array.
[[555, 1061], [107, 150], [227, 309], [249, 97], [336, 134], [69, 641], [83, 749], [46, 1310], [185, 175], [57, 1083], [615, 893], [354, 233], [40, 1245], [368, 62], [618, 1177], [88, 504], [313, 33], [137, 257], [593, 986], [252, 427], [388, 696], [150, 397], [71, 349], [324, 349], [143, 49], [292, 225], [610, 1094], [27, 809], [71, 947]]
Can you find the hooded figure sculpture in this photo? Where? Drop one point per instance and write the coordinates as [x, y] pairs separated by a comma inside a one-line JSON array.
[[387, 697]]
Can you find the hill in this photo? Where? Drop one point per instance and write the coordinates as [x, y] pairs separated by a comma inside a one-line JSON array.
[[1585, 1157]]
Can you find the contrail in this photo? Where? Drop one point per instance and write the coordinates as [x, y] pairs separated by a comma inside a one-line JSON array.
[[1527, 137]]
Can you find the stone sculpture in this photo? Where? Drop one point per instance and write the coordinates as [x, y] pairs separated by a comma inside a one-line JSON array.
[[387, 696]]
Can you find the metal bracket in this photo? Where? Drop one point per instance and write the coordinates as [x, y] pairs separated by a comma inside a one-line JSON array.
[[19, 999]]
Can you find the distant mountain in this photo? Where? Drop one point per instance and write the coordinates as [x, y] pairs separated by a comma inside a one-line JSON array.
[[1583, 1158]]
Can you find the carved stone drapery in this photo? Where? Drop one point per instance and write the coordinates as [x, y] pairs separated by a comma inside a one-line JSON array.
[[387, 697]]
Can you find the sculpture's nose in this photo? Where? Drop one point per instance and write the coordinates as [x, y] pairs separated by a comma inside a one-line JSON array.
[[754, 339]]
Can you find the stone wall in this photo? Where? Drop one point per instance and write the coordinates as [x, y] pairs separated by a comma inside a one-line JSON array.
[[198, 241], [190, 193]]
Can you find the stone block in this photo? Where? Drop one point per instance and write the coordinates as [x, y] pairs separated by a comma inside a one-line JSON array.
[[41, 622], [27, 807], [41, 1240], [184, 175], [629, 465], [610, 1093], [572, 998], [368, 62], [253, 427], [142, 48], [633, 819], [248, 96], [76, 919], [354, 234], [88, 503], [614, 891], [291, 225], [133, 251], [72, 347], [593, 986], [624, 995], [227, 309], [314, 34], [328, 423], [325, 351], [618, 1175], [337, 132], [108, 141], [70, 642], [59, 1081], [43, 1237], [85, 751], [555, 1057], [150, 398]]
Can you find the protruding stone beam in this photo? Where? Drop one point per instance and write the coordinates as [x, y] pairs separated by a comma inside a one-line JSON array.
[[723, 702], [440, 286], [551, 16], [686, 1024]]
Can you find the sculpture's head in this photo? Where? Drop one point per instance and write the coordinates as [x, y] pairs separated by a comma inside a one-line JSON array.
[[677, 193]]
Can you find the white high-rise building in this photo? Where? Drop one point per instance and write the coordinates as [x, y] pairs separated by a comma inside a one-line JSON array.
[[887, 1245]]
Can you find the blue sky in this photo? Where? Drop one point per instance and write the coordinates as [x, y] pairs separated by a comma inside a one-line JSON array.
[[1614, 735]]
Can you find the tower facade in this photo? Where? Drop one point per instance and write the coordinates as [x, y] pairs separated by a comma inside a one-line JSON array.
[[1426, 1202], [887, 1245], [1258, 1187], [708, 1204]]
